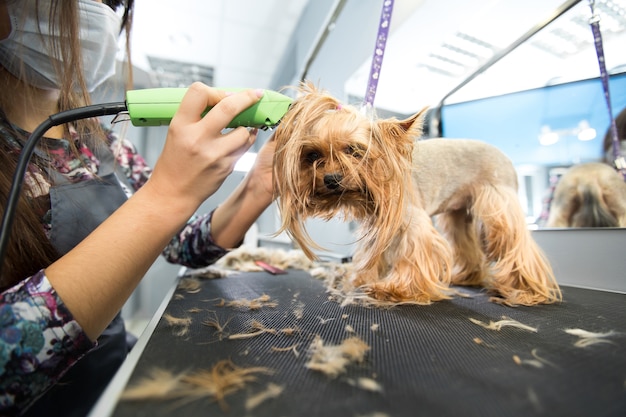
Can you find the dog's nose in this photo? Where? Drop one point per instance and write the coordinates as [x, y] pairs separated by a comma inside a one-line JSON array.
[[332, 181]]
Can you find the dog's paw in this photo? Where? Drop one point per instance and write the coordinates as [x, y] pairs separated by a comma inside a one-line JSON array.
[[529, 297], [391, 293]]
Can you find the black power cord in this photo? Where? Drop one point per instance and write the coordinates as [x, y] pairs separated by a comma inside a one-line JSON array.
[[67, 116]]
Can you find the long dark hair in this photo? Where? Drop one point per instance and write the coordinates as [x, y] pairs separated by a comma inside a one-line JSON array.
[[29, 250]]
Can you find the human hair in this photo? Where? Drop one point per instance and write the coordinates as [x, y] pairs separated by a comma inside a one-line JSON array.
[[28, 248], [607, 144]]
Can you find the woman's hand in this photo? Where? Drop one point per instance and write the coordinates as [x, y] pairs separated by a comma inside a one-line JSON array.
[[197, 156]]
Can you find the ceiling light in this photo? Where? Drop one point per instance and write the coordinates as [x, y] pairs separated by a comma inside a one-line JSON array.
[[585, 132], [572, 33], [472, 45], [458, 55], [548, 137]]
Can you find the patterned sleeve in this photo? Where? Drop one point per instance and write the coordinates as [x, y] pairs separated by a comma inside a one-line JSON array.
[[130, 161], [39, 341], [193, 246]]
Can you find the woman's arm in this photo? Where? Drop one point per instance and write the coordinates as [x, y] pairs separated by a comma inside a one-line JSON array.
[[97, 277]]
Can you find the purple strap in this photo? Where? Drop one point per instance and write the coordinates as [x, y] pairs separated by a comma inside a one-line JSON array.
[[597, 38], [379, 51]]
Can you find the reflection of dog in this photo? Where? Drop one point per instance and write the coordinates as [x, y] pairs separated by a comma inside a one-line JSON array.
[[333, 160], [589, 195]]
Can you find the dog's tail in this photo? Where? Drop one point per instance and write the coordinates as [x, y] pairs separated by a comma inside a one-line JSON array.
[[593, 211]]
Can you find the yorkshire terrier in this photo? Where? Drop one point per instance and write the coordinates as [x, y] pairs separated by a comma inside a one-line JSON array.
[[337, 160], [592, 194]]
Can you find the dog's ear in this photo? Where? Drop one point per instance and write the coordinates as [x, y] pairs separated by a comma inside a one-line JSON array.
[[414, 123], [410, 127]]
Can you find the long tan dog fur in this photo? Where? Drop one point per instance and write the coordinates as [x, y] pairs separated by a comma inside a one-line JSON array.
[[334, 160], [592, 194]]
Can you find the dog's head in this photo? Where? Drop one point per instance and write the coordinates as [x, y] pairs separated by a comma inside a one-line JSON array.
[[335, 160]]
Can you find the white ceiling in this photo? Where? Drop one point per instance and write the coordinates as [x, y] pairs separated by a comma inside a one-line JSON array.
[[244, 40], [498, 23]]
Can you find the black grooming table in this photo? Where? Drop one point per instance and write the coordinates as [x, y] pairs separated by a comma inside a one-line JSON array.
[[429, 360]]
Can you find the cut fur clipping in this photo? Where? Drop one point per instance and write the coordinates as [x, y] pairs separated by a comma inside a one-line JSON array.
[[536, 362], [216, 383], [335, 161], [587, 338], [498, 325], [257, 328], [333, 360], [160, 384], [243, 259], [293, 349], [253, 304], [367, 384], [272, 391], [209, 272], [215, 323], [180, 324], [334, 275], [190, 285]]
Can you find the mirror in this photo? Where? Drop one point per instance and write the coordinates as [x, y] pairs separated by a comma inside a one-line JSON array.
[[534, 89], [543, 130], [550, 111]]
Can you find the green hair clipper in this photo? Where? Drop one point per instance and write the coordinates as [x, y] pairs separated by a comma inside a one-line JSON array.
[[157, 106]]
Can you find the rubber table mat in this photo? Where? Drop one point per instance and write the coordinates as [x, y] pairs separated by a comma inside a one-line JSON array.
[[433, 360]]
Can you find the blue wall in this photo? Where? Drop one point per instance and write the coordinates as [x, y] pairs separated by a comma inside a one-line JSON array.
[[513, 121]]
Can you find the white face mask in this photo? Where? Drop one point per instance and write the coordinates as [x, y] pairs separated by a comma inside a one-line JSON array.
[[27, 47]]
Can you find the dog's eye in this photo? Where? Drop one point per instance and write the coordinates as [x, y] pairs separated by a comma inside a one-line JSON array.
[[355, 151], [312, 156]]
